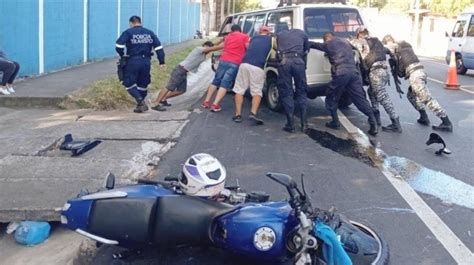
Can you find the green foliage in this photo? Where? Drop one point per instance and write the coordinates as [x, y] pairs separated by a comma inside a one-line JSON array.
[[246, 5], [450, 8], [372, 3], [108, 93]]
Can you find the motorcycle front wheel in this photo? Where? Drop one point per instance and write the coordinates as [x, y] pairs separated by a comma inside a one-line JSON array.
[[380, 257]]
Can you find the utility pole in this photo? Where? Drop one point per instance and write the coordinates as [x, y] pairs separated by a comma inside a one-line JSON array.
[[416, 23]]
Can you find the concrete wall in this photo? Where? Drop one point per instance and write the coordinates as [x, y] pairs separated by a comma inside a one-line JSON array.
[[48, 35]]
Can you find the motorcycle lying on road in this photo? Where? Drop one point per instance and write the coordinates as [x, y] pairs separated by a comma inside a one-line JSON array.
[[157, 213]]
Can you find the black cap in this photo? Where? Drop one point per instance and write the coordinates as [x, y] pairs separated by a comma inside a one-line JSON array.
[[135, 19], [236, 27]]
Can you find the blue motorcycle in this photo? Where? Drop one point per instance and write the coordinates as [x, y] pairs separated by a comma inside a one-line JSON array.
[[156, 213]]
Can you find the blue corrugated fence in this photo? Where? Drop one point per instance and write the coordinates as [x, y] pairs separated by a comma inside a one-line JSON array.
[[47, 35]]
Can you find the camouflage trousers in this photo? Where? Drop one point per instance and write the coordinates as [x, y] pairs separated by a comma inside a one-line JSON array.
[[419, 95], [377, 91]]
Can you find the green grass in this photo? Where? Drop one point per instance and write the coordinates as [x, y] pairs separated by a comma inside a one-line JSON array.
[[109, 94]]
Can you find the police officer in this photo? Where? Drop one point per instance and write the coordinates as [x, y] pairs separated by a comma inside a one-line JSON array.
[[139, 42], [375, 62], [406, 64], [345, 75], [292, 46]]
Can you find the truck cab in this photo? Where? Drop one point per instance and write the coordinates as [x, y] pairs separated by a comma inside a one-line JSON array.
[[314, 20]]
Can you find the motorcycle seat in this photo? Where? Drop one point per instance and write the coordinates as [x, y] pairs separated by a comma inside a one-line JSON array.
[[186, 220], [127, 220]]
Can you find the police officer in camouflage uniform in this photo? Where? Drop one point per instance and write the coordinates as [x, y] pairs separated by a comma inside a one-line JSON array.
[[373, 55], [406, 64]]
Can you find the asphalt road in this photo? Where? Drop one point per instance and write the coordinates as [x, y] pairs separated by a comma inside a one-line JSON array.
[[358, 190]]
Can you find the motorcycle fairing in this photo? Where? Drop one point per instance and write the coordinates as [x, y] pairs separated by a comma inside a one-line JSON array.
[[235, 230]]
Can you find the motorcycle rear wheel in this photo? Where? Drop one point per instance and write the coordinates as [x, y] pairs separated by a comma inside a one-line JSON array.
[[382, 257]]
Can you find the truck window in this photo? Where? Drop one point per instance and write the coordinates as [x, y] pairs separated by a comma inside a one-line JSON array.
[[240, 20], [470, 30], [279, 21], [342, 21], [458, 31], [258, 23], [225, 28], [248, 25]]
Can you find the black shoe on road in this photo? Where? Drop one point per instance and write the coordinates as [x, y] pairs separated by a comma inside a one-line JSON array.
[[333, 125], [394, 127], [159, 107], [141, 107], [165, 103], [255, 119], [289, 128], [445, 125], [237, 118], [373, 130], [423, 120]]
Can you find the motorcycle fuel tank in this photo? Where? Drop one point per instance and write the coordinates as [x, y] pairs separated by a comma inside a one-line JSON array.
[[256, 230]]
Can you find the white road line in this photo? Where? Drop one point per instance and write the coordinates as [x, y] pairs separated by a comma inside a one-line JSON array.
[[456, 248], [463, 88]]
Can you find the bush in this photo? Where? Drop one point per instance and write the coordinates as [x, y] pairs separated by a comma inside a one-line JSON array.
[[109, 94]]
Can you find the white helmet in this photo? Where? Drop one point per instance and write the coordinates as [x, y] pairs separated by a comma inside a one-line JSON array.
[[202, 175]]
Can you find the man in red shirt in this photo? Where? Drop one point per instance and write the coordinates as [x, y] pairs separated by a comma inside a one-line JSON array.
[[234, 45]]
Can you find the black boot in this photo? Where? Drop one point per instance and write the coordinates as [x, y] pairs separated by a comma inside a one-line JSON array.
[[141, 107], [423, 118], [290, 124], [374, 129], [394, 127], [445, 125], [334, 124], [377, 117]]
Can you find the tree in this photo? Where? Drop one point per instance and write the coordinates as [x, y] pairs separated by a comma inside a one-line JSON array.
[[450, 8], [246, 5]]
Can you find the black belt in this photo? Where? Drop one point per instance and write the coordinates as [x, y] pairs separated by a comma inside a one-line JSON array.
[[141, 56], [418, 67], [292, 55]]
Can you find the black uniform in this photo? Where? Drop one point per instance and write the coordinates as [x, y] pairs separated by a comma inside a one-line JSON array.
[[345, 76], [292, 48], [139, 42]]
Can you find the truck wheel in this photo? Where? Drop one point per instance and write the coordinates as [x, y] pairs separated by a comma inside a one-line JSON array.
[[272, 98], [460, 65]]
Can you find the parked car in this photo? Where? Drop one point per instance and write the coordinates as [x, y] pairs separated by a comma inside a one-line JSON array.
[[315, 20], [461, 40]]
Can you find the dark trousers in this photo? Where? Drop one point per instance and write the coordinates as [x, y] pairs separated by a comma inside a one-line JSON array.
[[136, 77], [352, 83], [10, 70], [289, 70]]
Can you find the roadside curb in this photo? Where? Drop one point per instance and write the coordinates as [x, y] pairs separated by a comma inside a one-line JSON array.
[[30, 102]]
